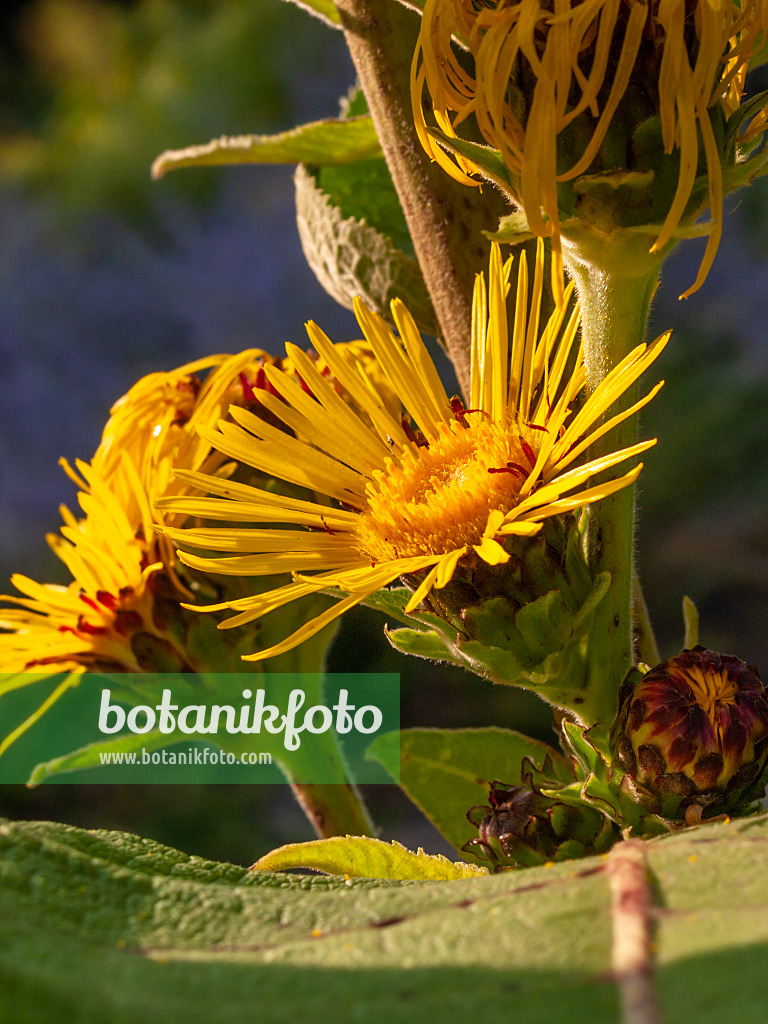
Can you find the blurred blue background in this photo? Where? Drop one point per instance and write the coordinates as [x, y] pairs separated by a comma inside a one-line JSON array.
[[106, 276]]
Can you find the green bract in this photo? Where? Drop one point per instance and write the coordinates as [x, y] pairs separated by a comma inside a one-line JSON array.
[[523, 623]]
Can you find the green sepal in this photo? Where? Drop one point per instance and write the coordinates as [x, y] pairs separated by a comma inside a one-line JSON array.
[[512, 229], [576, 567], [545, 624], [421, 643], [392, 602], [490, 162], [602, 784], [540, 647], [521, 826], [606, 837], [494, 624], [590, 746], [741, 115], [431, 641], [567, 822], [630, 681], [542, 573], [592, 768], [522, 623], [745, 171], [571, 849], [544, 646]]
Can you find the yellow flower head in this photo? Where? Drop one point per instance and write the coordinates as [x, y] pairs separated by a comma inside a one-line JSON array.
[[416, 492], [111, 616], [568, 89]]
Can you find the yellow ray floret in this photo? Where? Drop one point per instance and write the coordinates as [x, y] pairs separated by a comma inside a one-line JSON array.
[[393, 497], [105, 618]]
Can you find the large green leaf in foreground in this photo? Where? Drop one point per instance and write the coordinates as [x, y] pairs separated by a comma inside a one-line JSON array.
[[104, 927]]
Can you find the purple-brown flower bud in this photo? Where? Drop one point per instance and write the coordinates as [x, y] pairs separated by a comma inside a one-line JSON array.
[[522, 828], [695, 732]]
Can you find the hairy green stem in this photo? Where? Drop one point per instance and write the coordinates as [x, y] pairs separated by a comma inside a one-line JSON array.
[[615, 292], [334, 807], [445, 219], [333, 810]]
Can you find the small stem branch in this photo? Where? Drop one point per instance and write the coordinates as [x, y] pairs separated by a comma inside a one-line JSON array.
[[334, 810], [445, 219], [645, 639], [691, 620], [631, 912]]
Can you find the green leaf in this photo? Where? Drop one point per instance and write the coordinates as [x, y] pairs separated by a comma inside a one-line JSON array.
[[331, 141], [355, 239], [107, 928], [359, 857], [352, 228], [596, 595], [323, 9], [111, 929], [445, 772], [91, 756]]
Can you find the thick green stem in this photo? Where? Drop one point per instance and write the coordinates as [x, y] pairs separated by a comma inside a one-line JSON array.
[[333, 810], [445, 219], [615, 294]]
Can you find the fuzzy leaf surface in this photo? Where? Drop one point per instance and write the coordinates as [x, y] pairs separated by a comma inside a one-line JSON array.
[[109, 928], [355, 239]]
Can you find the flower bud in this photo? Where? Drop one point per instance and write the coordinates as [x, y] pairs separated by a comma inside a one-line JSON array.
[[694, 734], [523, 828]]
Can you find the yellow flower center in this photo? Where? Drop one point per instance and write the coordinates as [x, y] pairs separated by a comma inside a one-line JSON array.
[[437, 498], [712, 691]]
